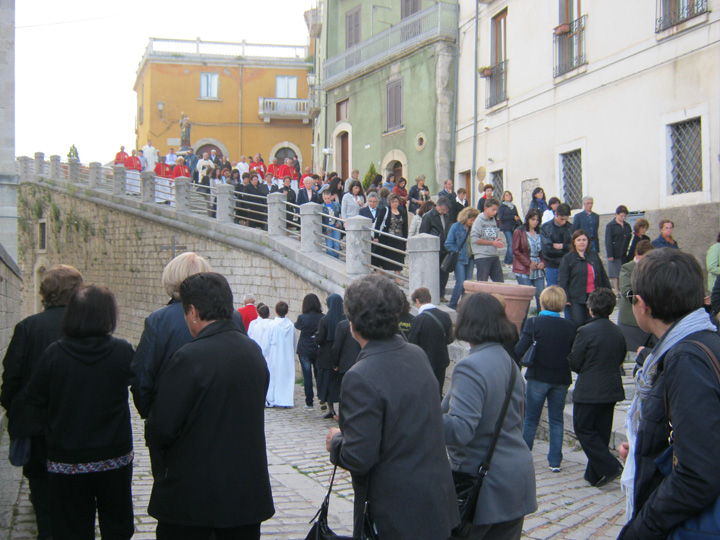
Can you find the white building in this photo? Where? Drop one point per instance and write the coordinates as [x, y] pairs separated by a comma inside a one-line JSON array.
[[619, 100]]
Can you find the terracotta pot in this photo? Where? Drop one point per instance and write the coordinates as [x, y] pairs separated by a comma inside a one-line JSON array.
[[561, 29], [517, 297]]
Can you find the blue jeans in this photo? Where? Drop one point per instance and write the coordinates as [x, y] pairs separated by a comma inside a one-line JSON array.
[[308, 366], [462, 272], [508, 247], [551, 276], [535, 396], [538, 283], [332, 243]]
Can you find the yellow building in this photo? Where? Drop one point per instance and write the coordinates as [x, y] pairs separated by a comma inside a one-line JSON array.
[[240, 98]]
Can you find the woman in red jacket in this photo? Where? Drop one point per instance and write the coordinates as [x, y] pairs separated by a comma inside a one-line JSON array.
[[528, 265]]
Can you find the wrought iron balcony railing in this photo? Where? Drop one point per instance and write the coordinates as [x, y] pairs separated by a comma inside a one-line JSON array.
[[569, 46], [437, 22], [672, 12], [496, 85]]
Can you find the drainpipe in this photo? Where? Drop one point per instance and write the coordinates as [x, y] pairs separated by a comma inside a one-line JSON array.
[[475, 106], [453, 122]]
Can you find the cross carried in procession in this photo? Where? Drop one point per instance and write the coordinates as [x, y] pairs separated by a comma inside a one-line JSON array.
[[173, 247]]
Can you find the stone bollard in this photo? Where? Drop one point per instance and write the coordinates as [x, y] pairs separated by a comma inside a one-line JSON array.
[[55, 168], [26, 166], [424, 263], [225, 203], [277, 212], [94, 172], [73, 170], [182, 186], [357, 248], [119, 180], [147, 186], [39, 163], [310, 227]]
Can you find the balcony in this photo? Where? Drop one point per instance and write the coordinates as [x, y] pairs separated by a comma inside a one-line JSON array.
[[673, 12], [439, 22], [569, 46], [496, 85], [284, 109]]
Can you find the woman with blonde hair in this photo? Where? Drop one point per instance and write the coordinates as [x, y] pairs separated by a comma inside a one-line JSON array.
[[457, 240]]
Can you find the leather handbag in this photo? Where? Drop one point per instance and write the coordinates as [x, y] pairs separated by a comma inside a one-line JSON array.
[[528, 359], [467, 486], [450, 260]]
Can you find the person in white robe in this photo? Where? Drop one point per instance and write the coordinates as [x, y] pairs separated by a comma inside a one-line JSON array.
[[258, 328], [151, 155], [282, 341]]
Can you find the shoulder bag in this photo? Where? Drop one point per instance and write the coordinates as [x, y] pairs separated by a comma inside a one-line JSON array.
[[467, 486], [528, 359], [450, 260], [706, 524]]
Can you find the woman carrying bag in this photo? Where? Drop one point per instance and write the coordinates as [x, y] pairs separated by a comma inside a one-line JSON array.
[[457, 246]]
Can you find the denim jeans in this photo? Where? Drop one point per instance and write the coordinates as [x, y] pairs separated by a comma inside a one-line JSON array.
[[332, 243], [462, 272], [308, 366], [535, 396], [508, 247], [538, 283], [551, 275]]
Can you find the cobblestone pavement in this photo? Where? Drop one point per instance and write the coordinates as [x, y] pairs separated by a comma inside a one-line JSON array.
[[300, 471]]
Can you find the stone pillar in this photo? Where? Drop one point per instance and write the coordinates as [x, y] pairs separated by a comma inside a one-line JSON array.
[[119, 180], [26, 167], [357, 249], [424, 262], [55, 168], [94, 172], [147, 186], [310, 224], [73, 170], [225, 203], [276, 213], [182, 186], [39, 162]]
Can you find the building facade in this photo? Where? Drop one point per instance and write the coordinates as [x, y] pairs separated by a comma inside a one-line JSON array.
[[240, 98], [387, 75], [8, 178], [618, 100]]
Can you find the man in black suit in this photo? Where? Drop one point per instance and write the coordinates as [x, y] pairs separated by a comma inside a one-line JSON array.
[[308, 194], [377, 214], [447, 191], [437, 222], [431, 330]]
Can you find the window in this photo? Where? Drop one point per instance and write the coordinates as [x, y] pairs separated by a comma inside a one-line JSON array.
[[498, 185], [42, 235], [286, 86], [209, 85], [394, 105], [342, 110], [686, 157], [571, 171], [409, 7], [412, 28], [352, 27], [141, 108], [499, 31], [569, 38], [497, 81], [672, 12]]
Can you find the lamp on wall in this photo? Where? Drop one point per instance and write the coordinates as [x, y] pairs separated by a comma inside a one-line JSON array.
[[160, 106]]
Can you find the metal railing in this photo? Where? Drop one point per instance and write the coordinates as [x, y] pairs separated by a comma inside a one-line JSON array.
[[198, 47], [569, 47], [377, 248], [437, 22], [105, 179], [132, 182], [201, 199], [497, 84], [672, 12], [83, 175], [249, 209], [164, 191], [291, 223], [335, 247]]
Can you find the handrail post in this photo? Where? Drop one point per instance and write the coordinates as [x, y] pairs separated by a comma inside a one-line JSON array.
[[119, 180], [182, 185], [277, 211], [310, 227], [357, 248], [147, 186], [424, 263], [73, 170], [225, 198], [55, 168], [94, 172], [39, 162]]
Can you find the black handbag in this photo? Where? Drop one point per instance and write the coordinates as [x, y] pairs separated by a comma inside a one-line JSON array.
[[467, 486], [528, 359], [450, 260]]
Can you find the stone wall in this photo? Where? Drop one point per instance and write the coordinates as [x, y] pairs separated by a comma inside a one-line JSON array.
[[127, 254], [10, 292]]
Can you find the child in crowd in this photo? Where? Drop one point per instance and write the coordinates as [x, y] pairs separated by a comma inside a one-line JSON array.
[[282, 342]]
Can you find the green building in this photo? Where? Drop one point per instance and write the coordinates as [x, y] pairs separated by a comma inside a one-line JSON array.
[[386, 74]]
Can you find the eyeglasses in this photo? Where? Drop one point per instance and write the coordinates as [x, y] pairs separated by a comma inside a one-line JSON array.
[[631, 297]]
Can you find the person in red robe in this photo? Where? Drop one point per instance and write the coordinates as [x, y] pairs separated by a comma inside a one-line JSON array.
[[248, 312], [274, 168], [163, 170], [258, 166], [180, 169], [121, 156], [287, 170], [132, 163]]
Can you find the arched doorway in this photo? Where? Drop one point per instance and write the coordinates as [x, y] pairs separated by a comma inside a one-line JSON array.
[[207, 148], [395, 168], [284, 153], [344, 157]]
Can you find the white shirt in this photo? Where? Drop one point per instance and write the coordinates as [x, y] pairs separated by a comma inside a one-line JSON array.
[[243, 167], [426, 306], [170, 159]]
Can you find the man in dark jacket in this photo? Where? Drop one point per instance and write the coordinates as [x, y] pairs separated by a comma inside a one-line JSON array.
[[555, 236], [437, 222], [588, 221], [431, 330], [30, 339]]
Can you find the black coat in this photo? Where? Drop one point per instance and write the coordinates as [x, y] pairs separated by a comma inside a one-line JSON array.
[[427, 334], [617, 239], [380, 213], [573, 272], [207, 426], [82, 386], [345, 347], [550, 234], [630, 255], [554, 338], [686, 379], [432, 224], [302, 197], [507, 217], [30, 339], [307, 323], [325, 354], [596, 356]]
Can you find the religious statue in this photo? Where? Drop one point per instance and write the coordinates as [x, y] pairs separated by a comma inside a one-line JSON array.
[[185, 126]]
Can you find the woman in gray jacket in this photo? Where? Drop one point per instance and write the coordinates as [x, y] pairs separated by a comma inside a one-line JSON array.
[[471, 409]]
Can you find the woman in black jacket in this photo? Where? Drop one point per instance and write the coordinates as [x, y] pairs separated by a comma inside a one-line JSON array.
[[307, 323], [617, 239], [329, 379], [548, 378], [575, 267], [509, 220], [81, 383], [596, 356]]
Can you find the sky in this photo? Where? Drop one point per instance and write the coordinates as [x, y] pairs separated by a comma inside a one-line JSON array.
[[76, 62]]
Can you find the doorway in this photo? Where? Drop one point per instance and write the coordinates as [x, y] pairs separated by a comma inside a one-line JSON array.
[[344, 155]]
